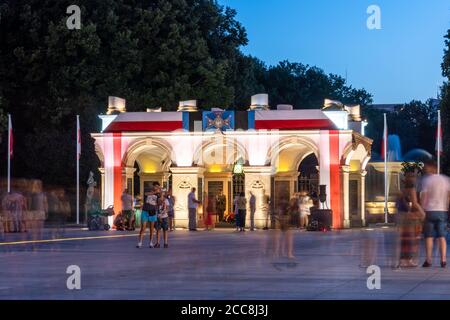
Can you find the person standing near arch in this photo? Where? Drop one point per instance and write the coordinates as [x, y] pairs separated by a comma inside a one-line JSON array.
[[252, 203], [221, 201], [192, 208]]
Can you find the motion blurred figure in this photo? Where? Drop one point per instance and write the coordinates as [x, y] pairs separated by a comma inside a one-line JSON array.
[[221, 201], [39, 209], [434, 198], [242, 211], [15, 204], [127, 209], [283, 239], [410, 218], [252, 203], [171, 209], [210, 212]]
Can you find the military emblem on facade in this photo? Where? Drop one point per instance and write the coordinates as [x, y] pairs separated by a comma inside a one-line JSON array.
[[218, 120]]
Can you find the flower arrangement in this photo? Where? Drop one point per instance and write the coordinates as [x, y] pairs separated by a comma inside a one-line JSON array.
[[415, 167]]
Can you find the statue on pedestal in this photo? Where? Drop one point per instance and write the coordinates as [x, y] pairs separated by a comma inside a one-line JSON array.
[[92, 203]]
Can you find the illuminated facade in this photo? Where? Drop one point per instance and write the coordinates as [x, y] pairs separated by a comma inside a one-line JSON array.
[[259, 150]]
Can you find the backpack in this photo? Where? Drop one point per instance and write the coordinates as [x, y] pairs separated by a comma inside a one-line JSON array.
[[150, 205]]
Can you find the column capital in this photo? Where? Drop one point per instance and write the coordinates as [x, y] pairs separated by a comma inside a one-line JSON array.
[[345, 168], [128, 170], [102, 170], [363, 173]]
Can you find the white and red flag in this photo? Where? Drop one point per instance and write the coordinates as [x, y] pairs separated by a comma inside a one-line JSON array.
[[439, 142], [10, 136], [78, 138], [384, 143], [78, 168], [10, 152], [438, 147]]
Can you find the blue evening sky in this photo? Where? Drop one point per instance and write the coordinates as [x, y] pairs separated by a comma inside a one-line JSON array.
[[396, 64]]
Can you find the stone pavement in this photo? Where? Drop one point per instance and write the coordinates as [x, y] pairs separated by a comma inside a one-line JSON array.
[[220, 264]]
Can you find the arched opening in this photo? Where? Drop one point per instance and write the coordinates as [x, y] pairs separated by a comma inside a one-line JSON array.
[[308, 178], [223, 159], [355, 160], [287, 160], [148, 161]]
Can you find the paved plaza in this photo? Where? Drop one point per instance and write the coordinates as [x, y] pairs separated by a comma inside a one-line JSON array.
[[220, 264]]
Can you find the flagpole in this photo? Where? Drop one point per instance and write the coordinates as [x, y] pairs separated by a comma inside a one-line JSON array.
[[439, 143], [385, 170], [9, 153], [78, 169]]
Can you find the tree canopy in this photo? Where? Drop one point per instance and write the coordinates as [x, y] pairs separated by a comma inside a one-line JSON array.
[[445, 102], [153, 53]]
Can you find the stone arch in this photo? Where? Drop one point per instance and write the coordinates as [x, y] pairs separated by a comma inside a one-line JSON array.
[[238, 150], [359, 149], [138, 147], [287, 142]]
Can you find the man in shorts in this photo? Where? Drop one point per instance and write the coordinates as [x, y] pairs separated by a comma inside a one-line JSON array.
[[127, 208], [434, 198]]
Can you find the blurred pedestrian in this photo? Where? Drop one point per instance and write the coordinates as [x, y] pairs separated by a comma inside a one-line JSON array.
[[252, 204], [434, 198], [283, 239], [236, 212], [410, 218], [242, 211], [127, 209], [221, 203], [210, 212], [171, 209], [16, 204]]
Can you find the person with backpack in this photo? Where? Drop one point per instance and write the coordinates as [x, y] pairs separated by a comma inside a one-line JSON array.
[[149, 216]]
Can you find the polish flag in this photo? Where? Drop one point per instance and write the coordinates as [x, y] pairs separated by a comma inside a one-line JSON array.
[[78, 139], [384, 145], [10, 136], [438, 147]]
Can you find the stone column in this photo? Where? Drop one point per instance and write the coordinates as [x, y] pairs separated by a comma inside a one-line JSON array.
[[183, 180], [257, 180], [102, 186], [345, 173], [363, 196]]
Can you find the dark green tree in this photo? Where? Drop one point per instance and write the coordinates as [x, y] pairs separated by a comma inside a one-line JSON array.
[[306, 87], [414, 123], [445, 104], [154, 53]]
